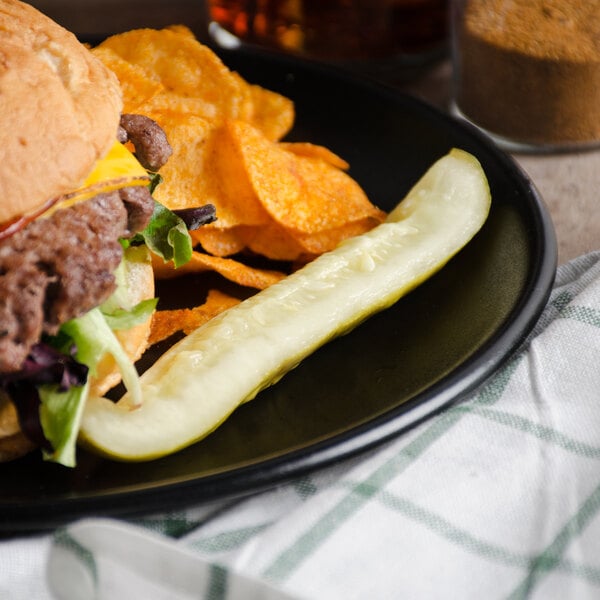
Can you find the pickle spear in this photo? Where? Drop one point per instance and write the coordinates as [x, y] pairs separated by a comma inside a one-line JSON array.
[[201, 380]]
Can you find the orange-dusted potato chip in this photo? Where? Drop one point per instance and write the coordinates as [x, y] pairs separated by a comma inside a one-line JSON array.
[[237, 202], [266, 168], [277, 243], [193, 79], [182, 30], [330, 198], [170, 101], [165, 323], [272, 113], [219, 241], [273, 242], [315, 151], [206, 167], [184, 183], [186, 68], [322, 241], [232, 270], [302, 194], [137, 85]]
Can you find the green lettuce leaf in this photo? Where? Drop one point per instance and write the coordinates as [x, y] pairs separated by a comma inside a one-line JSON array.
[[167, 236], [122, 318], [60, 416]]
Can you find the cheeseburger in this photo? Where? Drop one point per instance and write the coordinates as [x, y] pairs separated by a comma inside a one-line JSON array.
[[76, 284]]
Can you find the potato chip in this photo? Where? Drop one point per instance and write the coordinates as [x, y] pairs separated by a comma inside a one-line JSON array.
[[232, 270], [193, 80], [267, 199], [272, 113], [302, 194], [171, 102], [185, 68], [246, 157], [219, 241], [206, 167], [272, 241], [138, 87], [184, 184], [237, 203], [182, 30], [165, 323], [315, 151], [317, 243], [330, 198]]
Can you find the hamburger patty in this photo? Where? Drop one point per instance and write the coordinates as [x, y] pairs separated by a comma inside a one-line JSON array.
[[60, 267]]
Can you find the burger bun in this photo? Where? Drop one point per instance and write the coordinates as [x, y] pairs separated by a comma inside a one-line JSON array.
[[60, 110]]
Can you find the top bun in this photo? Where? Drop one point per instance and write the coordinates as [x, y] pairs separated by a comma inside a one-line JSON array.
[[60, 110]]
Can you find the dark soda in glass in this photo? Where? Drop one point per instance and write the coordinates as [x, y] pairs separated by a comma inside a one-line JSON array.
[[335, 30]]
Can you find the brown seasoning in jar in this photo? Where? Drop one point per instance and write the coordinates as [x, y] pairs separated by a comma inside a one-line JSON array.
[[529, 70]]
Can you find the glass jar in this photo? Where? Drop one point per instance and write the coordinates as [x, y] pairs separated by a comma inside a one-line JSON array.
[[527, 72]]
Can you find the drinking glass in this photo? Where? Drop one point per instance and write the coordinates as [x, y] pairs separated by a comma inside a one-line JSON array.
[[377, 36]]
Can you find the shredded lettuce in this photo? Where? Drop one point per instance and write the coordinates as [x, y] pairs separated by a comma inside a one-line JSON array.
[[94, 338], [92, 335]]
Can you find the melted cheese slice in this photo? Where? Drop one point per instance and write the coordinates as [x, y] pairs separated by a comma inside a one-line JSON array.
[[118, 169]]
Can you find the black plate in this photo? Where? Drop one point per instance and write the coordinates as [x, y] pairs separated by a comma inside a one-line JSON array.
[[392, 372]]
